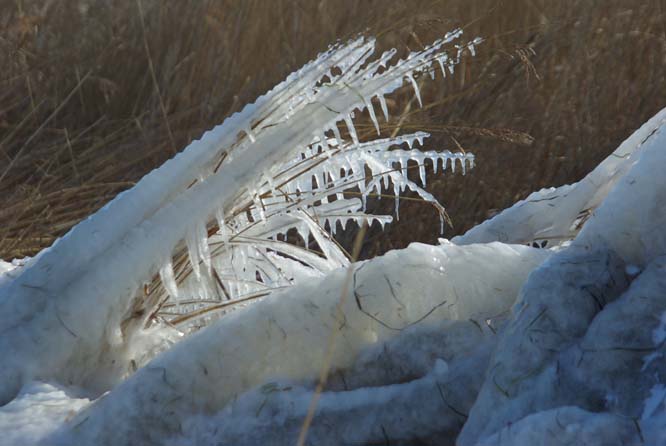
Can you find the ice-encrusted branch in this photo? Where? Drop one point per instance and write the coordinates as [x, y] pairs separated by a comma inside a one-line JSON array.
[[208, 222]]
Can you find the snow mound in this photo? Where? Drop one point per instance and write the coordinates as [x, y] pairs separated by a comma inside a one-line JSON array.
[[285, 337], [38, 410], [583, 326]]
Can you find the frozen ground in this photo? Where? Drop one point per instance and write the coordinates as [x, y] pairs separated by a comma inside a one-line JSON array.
[[481, 340]]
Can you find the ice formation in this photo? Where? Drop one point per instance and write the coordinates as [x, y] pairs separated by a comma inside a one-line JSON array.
[[115, 335], [205, 232], [285, 337], [583, 326]]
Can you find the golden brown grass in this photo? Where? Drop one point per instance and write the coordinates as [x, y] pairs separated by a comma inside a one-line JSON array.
[[92, 99]]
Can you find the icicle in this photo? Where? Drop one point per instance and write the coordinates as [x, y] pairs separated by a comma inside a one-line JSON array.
[[304, 233], [222, 227], [315, 179], [371, 111], [333, 174], [205, 288], [202, 244], [396, 193], [250, 135], [338, 138], [385, 181], [352, 130], [324, 180], [168, 279], [403, 160], [422, 172], [382, 103], [258, 207], [440, 61], [193, 252], [386, 57], [416, 89], [471, 48], [324, 142]]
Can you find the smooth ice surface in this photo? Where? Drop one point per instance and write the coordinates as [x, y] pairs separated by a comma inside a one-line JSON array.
[[285, 337]]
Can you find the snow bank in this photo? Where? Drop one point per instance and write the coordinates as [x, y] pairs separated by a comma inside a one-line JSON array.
[[416, 387], [285, 337], [568, 425], [568, 341], [37, 411]]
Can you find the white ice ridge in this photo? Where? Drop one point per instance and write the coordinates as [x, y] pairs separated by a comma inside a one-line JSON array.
[[583, 328], [187, 223], [557, 214]]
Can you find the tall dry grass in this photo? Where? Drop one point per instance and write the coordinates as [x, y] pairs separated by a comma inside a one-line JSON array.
[[94, 94]]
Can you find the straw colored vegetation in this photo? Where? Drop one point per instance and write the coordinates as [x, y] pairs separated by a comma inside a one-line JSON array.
[[94, 94]]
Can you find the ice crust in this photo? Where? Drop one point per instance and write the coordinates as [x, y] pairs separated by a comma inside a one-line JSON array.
[[285, 337], [582, 327]]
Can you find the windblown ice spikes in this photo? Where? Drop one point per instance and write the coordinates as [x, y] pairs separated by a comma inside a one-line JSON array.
[[309, 180], [191, 221]]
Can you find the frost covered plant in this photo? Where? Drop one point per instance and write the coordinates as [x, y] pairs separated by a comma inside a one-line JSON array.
[[320, 183], [206, 231]]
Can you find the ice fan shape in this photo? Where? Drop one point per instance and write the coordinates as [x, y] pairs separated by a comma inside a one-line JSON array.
[[206, 231]]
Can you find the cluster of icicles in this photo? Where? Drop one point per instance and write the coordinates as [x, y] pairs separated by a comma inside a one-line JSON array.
[[244, 253]]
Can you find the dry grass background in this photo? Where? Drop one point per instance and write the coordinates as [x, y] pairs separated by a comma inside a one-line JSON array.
[[95, 93]]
